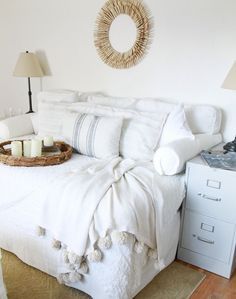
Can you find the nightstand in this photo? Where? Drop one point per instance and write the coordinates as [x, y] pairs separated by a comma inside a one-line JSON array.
[[208, 226]]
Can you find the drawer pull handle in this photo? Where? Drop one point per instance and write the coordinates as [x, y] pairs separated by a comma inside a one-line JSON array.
[[205, 240], [208, 197]]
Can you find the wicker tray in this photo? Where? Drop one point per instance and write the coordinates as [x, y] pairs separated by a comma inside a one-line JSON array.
[[45, 160]]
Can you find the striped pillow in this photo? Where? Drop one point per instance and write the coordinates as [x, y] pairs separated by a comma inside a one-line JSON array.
[[91, 135]]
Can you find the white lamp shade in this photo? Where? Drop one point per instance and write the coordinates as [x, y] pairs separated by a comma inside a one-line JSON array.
[[28, 66], [230, 80]]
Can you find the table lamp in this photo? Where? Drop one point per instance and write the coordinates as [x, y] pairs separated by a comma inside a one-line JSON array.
[[28, 66], [230, 83]]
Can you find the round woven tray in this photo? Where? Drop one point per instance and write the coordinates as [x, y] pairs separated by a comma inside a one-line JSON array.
[[54, 159]]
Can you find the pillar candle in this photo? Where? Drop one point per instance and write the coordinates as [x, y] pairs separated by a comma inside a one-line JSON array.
[[16, 148], [27, 148], [48, 141], [36, 148]]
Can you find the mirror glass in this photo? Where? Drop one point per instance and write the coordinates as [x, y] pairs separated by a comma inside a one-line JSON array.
[[122, 33]]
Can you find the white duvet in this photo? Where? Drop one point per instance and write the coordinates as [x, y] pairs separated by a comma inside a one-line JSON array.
[[83, 206], [19, 187]]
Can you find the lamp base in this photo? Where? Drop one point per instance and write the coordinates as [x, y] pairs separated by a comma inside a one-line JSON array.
[[30, 111]]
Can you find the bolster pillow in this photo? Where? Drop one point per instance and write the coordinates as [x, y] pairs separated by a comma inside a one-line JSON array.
[[171, 158], [16, 126]]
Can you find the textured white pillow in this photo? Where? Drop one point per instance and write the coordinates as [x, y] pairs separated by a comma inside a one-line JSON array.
[[92, 135], [59, 95], [176, 127]]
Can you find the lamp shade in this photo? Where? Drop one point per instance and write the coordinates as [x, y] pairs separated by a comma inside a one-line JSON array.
[[230, 80], [28, 66]]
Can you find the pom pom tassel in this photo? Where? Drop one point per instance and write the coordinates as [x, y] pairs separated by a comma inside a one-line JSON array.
[[105, 243], [152, 253], [95, 256], [41, 231], [65, 256], [74, 258], [140, 247], [71, 277], [119, 238], [56, 244]]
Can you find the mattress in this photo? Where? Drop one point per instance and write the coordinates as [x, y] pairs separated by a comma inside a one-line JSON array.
[[121, 274]]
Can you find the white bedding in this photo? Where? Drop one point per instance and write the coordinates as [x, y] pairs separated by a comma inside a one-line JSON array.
[[121, 274]]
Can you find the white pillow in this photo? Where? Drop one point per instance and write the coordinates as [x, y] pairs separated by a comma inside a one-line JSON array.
[[59, 95], [171, 158], [203, 119], [140, 133], [91, 135], [176, 127], [16, 126], [35, 122], [50, 117], [151, 105]]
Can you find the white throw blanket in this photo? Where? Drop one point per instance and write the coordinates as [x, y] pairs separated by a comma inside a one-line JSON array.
[[86, 205]]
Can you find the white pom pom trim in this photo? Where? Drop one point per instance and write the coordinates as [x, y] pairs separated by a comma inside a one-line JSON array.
[[105, 243], [75, 277], [140, 247], [152, 253], [84, 268], [119, 238], [56, 244], [74, 258], [41, 231], [65, 256], [95, 256]]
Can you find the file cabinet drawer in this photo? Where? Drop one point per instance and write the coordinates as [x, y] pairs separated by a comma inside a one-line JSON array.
[[207, 236], [212, 192]]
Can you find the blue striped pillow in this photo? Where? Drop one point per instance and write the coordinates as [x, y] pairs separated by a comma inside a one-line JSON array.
[[92, 135]]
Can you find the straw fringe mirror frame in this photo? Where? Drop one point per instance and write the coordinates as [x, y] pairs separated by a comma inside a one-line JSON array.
[[141, 16]]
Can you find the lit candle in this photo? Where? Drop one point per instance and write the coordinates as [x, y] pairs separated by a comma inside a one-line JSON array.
[[27, 148], [48, 141], [16, 148], [36, 148]]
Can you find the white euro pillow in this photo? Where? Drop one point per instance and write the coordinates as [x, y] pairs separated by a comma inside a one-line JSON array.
[[152, 105], [16, 126], [171, 158], [59, 95], [92, 135]]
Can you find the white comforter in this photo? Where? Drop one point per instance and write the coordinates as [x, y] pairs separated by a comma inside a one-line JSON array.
[[84, 206], [19, 184]]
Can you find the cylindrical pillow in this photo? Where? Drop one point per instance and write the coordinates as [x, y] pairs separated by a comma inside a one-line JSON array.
[[16, 126], [171, 158]]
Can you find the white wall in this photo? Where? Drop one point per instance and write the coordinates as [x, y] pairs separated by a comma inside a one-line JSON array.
[[193, 48]]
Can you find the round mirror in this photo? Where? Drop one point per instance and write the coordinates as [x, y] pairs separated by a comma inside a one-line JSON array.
[[123, 33]]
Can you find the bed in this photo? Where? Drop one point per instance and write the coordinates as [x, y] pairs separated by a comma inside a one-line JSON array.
[[130, 261]]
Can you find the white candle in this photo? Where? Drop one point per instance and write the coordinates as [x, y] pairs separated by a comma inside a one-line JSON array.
[[16, 148], [48, 141], [27, 148], [36, 148]]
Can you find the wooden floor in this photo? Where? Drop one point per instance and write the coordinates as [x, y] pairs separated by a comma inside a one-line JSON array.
[[214, 286]]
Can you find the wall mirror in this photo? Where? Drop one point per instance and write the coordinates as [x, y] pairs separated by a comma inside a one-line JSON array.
[[123, 32]]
